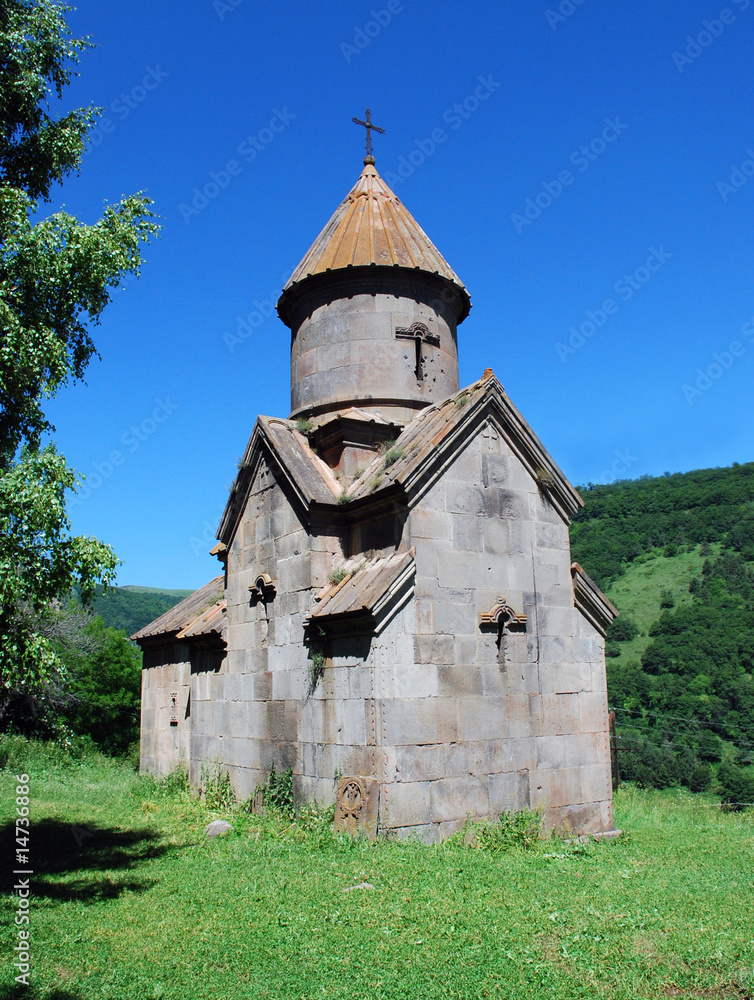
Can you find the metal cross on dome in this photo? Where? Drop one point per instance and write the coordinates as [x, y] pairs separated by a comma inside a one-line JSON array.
[[369, 127]]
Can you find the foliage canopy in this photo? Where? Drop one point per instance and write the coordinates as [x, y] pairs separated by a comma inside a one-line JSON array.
[[56, 277]]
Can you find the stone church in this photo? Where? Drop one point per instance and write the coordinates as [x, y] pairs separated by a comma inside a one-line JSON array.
[[398, 618]]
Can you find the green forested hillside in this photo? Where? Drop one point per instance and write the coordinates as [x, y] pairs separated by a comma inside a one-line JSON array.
[[676, 555], [99, 698], [131, 608], [622, 521]]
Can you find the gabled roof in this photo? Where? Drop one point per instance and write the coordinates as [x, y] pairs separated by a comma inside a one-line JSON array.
[[590, 600], [366, 592], [433, 438], [202, 613], [372, 227], [427, 445], [311, 479]]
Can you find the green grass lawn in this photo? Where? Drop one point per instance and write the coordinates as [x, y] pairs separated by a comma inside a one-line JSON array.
[[132, 901]]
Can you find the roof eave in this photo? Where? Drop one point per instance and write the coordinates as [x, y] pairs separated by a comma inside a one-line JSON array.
[[427, 453], [358, 273]]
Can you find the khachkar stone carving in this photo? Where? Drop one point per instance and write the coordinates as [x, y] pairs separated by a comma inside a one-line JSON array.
[[358, 626], [356, 806]]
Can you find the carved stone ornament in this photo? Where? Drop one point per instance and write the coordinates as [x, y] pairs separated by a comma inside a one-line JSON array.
[[420, 334], [502, 617], [417, 331], [356, 806], [262, 591]]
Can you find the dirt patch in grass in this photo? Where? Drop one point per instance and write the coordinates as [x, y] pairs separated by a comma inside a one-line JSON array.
[[728, 991]]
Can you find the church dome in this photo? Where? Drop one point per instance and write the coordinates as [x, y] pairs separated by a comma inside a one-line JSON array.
[[372, 228]]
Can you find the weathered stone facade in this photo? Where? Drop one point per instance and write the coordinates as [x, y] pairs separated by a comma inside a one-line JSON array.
[[400, 605]]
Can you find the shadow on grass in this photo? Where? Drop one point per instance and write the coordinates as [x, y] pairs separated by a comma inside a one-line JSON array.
[[94, 854], [17, 991]]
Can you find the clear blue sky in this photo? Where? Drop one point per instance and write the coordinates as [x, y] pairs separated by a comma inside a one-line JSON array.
[[644, 219]]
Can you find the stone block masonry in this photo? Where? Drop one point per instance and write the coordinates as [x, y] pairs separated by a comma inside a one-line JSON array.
[[399, 620]]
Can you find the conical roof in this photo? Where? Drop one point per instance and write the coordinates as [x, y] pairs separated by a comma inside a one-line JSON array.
[[372, 227]]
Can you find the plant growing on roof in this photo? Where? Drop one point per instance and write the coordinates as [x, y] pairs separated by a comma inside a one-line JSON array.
[[545, 478], [392, 455]]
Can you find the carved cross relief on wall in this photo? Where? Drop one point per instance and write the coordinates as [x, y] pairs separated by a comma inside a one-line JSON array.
[[490, 438], [420, 335], [263, 478]]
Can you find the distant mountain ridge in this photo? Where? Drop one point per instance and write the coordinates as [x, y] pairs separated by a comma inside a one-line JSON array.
[[134, 589], [132, 607]]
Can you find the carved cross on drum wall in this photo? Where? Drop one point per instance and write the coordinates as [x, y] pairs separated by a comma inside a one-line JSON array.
[[419, 333]]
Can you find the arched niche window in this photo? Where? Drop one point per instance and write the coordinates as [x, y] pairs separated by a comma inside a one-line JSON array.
[[262, 591], [503, 621]]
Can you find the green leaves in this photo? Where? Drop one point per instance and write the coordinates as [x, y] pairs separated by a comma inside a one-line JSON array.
[[56, 277], [36, 60], [105, 687], [39, 563]]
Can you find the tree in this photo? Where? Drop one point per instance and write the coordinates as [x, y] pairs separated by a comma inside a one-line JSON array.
[[700, 778], [622, 629], [736, 786], [710, 747], [56, 277], [105, 688], [666, 599]]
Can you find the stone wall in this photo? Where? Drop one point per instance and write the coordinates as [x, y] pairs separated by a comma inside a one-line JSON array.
[[165, 729], [261, 706], [450, 723], [470, 729], [345, 352]]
